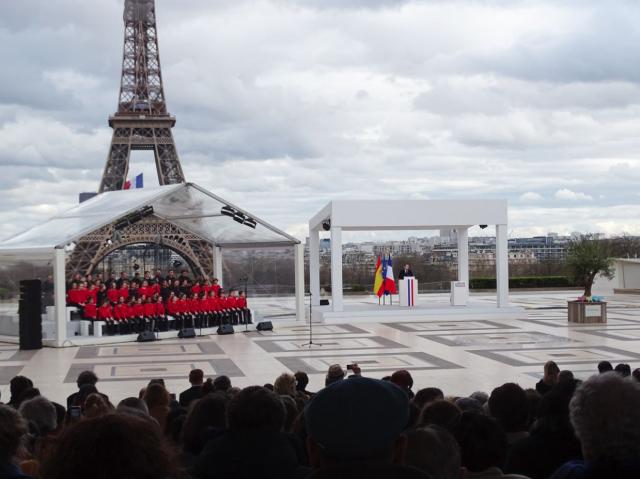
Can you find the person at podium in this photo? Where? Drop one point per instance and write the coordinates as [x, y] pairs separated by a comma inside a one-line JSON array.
[[405, 272]]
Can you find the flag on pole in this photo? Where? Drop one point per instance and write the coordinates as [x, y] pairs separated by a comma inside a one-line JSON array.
[[139, 181], [389, 281], [378, 281], [127, 185]]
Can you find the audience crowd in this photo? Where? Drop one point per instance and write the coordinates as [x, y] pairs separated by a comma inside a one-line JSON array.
[[155, 303], [354, 427]]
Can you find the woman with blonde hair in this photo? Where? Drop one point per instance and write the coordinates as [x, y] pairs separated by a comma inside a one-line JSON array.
[[285, 385]]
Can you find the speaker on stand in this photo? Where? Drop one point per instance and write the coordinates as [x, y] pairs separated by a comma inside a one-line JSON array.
[[30, 314]]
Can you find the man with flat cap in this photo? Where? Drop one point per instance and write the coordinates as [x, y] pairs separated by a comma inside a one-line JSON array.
[[355, 429]]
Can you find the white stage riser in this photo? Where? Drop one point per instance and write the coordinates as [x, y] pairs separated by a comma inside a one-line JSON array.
[[119, 339], [417, 314]]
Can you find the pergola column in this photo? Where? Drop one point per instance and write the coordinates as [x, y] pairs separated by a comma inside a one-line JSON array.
[[336, 267], [314, 266], [299, 281], [463, 255], [502, 266], [59, 295], [217, 264]]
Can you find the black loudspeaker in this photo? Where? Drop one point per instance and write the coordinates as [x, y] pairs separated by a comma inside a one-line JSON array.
[[30, 314], [324, 302], [225, 329], [146, 337], [187, 333], [265, 326]]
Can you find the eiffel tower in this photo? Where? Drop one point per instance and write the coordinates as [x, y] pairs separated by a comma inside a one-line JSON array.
[[141, 123]]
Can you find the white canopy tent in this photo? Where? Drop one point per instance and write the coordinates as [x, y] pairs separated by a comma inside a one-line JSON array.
[[380, 215], [187, 205]]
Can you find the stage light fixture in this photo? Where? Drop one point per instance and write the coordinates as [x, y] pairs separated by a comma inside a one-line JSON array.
[[326, 225], [250, 222], [482, 226], [146, 210], [227, 211], [239, 217]]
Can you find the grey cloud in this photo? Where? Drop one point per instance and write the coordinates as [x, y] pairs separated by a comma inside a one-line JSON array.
[[271, 114]]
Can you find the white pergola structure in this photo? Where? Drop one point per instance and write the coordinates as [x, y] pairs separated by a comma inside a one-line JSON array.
[[186, 205], [378, 215]]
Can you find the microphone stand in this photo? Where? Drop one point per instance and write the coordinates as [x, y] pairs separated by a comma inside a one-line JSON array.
[[310, 344]]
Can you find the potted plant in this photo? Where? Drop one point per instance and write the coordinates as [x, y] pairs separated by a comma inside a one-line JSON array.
[[588, 257]]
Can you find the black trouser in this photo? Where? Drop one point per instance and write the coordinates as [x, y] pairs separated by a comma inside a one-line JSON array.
[[245, 316]]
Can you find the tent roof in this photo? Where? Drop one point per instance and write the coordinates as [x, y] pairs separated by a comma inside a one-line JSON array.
[[186, 205], [363, 215]]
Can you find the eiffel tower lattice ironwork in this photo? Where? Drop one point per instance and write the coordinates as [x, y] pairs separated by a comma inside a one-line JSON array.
[[141, 123]]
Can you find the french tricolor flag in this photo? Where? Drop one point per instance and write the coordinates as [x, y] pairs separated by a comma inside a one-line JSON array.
[[139, 183]]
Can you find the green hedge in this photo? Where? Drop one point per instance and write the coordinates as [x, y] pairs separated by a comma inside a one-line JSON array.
[[524, 282]]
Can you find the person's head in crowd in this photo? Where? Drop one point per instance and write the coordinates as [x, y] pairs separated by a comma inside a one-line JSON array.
[[209, 412], [95, 405], [606, 418], [256, 409], [480, 396], [113, 445], [604, 367], [285, 384], [636, 374], [83, 393], [268, 386], [334, 373], [551, 371], [17, 386], [469, 404], [156, 396], [340, 427], [86, 377], [435, 451], [302, 381], [291, 408], [509, 405], [425, 396], [40, 414], [133, 403], [565, 376], [482, 441], [196, 377], [27, 394], [402, 378], [623, 370], [440, 413], [533, 398], [157, 381], [13, 428], [222, 383]]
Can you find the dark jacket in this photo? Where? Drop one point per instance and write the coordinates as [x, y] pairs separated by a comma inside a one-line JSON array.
[[405, 274], [191, 394], [368, 470], [249, 455]]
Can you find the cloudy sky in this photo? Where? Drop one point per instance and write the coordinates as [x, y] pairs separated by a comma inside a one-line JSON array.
[[284, 105]]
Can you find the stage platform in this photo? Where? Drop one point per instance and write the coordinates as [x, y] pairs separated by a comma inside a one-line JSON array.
[[369, 311], [457, 354]]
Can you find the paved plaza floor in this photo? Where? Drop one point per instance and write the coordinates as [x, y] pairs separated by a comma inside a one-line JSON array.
[[456, 354]]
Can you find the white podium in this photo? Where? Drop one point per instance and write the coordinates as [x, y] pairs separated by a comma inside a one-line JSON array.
[[408, 291], [459, 293]]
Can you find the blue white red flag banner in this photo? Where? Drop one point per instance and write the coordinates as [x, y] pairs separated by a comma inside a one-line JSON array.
[[389, 281]]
